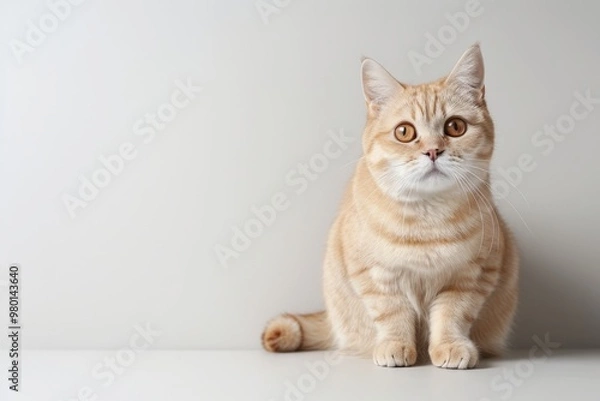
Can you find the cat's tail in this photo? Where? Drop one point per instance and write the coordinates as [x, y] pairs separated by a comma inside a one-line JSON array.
[[289, 333]]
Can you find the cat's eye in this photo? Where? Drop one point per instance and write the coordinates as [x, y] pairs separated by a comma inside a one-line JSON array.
[[405, 132], [455, 127]]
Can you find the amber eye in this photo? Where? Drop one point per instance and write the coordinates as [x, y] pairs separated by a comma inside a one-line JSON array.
[[455, 127], [405, 132]]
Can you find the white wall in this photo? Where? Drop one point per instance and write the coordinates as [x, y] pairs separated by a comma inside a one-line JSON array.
[[144, 249]]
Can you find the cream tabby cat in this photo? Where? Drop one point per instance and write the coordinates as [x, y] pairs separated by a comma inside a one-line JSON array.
[[418, 258]]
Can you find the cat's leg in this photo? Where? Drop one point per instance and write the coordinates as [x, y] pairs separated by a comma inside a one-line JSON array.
[[452, 314], [393, 317], [493, 325], [491, 330]]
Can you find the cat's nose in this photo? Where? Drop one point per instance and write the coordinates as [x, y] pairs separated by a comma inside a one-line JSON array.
[[434, 153]]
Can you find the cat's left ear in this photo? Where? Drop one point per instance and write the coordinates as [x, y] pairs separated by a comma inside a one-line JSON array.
[[468, 72]]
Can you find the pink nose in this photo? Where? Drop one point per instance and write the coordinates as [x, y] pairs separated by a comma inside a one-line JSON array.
[[433, 153]]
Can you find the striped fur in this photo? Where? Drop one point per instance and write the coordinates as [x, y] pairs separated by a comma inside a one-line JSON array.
[[416, 263]]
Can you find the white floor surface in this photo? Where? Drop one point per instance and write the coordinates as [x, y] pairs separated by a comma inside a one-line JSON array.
[[256, 375]]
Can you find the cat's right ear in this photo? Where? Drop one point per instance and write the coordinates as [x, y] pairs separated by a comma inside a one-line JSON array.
[[378, 85]]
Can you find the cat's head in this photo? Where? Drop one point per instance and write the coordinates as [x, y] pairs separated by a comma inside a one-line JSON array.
[[423, 140]]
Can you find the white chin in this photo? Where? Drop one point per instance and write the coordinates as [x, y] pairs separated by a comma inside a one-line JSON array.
[[432, 183]]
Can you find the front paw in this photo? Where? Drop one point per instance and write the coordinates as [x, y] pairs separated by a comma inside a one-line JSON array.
[[455, 354], [394, 353]]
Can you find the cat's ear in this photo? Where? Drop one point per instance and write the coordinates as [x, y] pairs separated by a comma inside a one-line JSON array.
[[468, 72], [378, 85]]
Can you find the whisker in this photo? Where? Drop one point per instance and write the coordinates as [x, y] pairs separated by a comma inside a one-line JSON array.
[[460, 180], [489, 206], [509, 202], [509, 183], [351, 162], [475, 195]]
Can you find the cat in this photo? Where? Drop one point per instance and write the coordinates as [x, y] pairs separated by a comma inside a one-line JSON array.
[[418, 260]]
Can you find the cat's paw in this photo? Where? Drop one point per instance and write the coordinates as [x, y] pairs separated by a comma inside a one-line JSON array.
[[394, 353], [456, 354]]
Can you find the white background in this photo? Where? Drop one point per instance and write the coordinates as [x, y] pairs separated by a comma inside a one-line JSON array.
[[144, 249]]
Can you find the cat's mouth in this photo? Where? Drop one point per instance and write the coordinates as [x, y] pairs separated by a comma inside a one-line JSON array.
[[434, 171]]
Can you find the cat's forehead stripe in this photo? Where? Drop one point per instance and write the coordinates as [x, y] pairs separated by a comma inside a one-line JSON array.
[[426, 104]]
